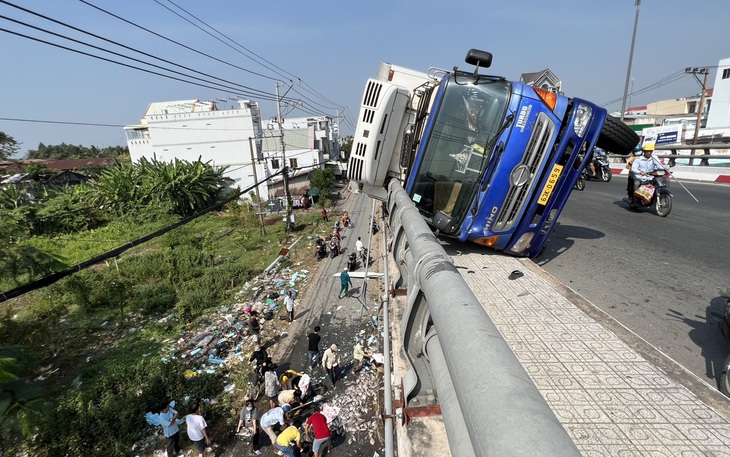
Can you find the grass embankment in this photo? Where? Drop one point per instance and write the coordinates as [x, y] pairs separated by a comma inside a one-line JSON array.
[[93, 350]]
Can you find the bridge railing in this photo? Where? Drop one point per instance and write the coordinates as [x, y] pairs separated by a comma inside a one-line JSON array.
[[698, 155], [457, 356]]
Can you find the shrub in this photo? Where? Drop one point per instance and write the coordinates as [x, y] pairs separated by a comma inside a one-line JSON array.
[[193, 302], [103, 416], [153, 298]]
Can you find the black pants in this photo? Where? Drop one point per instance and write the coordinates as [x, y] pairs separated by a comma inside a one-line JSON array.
[[630, 185], [173, 444], [255, 440], [333, 374]]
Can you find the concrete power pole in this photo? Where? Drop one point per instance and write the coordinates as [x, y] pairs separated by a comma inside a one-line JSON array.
[[701, 107], [256, 182], [285, 174]]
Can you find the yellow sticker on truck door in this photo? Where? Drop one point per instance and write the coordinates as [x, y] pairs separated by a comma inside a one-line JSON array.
[[550, 184]]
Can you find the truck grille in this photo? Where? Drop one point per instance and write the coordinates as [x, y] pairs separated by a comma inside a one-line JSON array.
[[537, 149]]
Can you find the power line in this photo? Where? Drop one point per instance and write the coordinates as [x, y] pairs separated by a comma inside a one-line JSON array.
[[249, 91], [242, 93], [55, 277], [176, 42], [666, 80], [223, 35], [98, 48], [250, 52]]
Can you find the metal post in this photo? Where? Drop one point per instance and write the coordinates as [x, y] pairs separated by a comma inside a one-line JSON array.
[[388, 391], [285, 174], [364, 293], [631, 59], [256, 183]]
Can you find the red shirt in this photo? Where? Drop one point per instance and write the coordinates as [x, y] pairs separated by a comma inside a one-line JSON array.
[[319, 424]]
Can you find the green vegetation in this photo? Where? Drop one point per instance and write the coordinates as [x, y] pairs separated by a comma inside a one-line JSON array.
[[323, 181], [8, 146], [83, 359], [71, 151]]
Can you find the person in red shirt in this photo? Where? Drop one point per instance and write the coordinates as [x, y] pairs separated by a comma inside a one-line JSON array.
[[322, 435]]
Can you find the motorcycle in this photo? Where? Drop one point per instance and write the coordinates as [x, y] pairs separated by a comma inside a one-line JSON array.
[[352, 262], [373, 225], [320, 251], [366, 259], [654, 194], [334, 247], [580, 183], [600, 163]]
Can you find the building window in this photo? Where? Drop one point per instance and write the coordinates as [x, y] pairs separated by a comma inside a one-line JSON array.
[[293, 163], [275, 164], [726, 73], [691, 108]]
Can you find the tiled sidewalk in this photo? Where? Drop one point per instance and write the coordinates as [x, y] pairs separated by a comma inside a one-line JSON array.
[[611, 400]]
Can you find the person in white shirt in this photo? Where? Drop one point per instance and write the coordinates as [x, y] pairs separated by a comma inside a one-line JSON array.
[[358, 247], [643, 166], [196, 429], [168, 422]]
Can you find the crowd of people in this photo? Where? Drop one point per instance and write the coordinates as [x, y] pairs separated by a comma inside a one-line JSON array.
[[287, 394], [290, 392], [290, 414]]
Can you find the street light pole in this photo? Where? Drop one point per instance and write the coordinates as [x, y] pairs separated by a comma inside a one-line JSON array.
[[631, 59]]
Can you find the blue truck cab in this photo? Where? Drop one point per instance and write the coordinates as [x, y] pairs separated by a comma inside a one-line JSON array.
[[484, 159]]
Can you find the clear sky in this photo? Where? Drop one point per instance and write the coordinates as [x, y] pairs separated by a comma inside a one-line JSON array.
[[328, 49]]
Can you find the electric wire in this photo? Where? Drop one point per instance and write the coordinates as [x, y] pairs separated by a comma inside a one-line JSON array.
[[304, 84], [253, 92], [297, 105], [666, 80], [98, 48], [222, 34], [55, 277], [241, 93], [176, 42]]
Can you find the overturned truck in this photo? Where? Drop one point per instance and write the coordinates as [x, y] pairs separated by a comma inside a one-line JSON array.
[[484, 159]]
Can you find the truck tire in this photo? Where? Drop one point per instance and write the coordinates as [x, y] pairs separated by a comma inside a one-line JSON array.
[[616, 137]]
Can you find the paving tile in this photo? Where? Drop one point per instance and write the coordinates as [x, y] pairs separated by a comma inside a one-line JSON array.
[[610, 400]]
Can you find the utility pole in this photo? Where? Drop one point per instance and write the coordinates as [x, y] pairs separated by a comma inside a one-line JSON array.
[[285, 172], [256, 182], [631, 59], [694, 72]]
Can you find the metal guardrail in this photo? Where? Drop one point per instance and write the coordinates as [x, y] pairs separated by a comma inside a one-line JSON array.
[[457, 356], [692, 156]]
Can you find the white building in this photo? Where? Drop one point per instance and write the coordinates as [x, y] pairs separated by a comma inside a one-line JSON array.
[[190, 129], [719, 114], [309, 142], [234, 138]]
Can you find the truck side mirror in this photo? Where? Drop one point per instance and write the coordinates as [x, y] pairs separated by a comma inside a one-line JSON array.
[[479, 58]]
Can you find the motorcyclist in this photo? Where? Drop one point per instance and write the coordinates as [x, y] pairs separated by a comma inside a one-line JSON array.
[[591, 166], [643, 166]]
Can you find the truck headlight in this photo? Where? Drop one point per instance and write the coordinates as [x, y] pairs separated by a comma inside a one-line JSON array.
[[523, 243], [582, 116]]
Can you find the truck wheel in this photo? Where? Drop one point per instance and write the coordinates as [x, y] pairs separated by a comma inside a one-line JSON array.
[[724, 381], [617, 137]]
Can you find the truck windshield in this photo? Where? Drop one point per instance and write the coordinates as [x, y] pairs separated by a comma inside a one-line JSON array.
[[459, 145]]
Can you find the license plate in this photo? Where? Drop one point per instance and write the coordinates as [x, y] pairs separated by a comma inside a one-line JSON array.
[[550, 184]]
